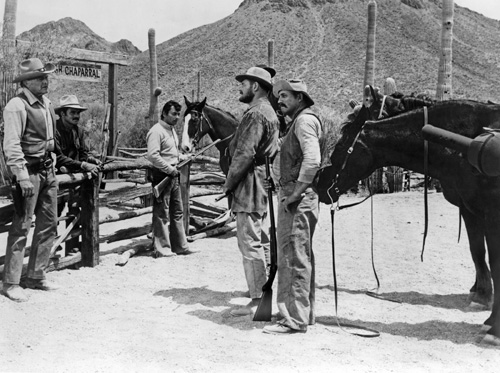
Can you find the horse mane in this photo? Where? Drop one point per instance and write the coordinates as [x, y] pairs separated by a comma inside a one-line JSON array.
[[222, 111]]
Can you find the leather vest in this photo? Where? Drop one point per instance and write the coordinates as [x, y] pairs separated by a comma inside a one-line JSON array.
[[34, 142], [291, 155]]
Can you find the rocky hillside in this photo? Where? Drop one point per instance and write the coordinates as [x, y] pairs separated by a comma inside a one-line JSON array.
[[323, 42], [76, 34]]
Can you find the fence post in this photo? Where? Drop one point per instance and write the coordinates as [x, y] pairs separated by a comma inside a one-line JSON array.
[[185, 183], [90, 222]]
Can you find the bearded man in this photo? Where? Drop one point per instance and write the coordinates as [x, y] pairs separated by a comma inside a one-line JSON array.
[[255, 138]]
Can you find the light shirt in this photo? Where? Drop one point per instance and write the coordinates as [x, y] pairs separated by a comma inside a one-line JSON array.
[[163, 146], [15, 124]]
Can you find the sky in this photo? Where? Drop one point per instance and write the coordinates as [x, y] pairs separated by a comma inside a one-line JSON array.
[[131, 19]]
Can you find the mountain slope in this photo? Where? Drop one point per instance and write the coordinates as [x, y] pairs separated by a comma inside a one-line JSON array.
[[323, 42], [76, 34]]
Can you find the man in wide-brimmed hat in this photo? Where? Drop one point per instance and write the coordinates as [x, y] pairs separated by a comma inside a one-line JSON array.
[[30, 147], [299, 161], [255, 138], [75, 153]]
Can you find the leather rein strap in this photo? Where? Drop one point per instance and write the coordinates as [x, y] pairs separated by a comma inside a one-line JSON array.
[[426, 186]]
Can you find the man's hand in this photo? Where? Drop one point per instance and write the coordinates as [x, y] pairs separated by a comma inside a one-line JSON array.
[[291, 199], [92, 168], [27, 187], [94, 161], [174, 173], [268, 184]]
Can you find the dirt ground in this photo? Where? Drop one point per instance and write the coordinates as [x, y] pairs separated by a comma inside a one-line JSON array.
[[171, 314]]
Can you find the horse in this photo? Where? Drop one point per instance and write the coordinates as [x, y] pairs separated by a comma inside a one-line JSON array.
[[367, 145], [201, 119]]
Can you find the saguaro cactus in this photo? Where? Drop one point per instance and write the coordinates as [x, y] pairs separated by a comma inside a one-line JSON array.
[[155, 91], [444, 91], [370, 45]]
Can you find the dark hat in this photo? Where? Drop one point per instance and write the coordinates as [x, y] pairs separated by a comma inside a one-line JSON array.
[[33, 68], [257, 74], [269, 69], [69, 101], [294, 85]]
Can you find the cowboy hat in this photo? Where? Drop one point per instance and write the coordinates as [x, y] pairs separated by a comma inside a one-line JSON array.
[[259, 75], [67, 102], [33, 68], [295, 85]]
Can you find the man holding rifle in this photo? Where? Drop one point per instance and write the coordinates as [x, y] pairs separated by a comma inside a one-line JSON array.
[[163, 153], [255, 138]]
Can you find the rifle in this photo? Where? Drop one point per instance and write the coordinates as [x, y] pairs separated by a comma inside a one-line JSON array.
[[263, 312], [160, 187]]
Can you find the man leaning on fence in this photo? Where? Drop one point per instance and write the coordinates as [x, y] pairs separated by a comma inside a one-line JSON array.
[[29, 147], [75, 153], [163, 153]]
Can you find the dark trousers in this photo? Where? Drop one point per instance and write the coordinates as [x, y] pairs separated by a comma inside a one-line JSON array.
[[43, 204]]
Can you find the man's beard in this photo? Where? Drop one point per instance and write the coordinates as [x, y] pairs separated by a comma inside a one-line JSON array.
[[246, 98]]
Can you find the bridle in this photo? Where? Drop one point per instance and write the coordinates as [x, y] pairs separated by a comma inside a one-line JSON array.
[[334, 185], [200, 116]]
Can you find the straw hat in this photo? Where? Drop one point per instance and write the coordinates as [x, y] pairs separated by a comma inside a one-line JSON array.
[[294, 85], [69, 101], [33, 68], [257, 74]]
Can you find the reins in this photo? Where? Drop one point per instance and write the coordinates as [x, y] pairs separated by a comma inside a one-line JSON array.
[[426, 186]]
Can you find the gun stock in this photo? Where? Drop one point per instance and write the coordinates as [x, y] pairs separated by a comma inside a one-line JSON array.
[[160, 187], [264, 310]]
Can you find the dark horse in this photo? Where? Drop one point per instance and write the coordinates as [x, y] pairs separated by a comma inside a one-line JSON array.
[[365, 146], [201, 119]]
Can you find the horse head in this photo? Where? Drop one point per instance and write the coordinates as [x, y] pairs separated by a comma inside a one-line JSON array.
[[194, 125], [337, 178], [382, 106]]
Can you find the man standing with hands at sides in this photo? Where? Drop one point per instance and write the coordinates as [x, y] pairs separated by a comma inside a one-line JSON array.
[[300, 159], [255, 138], [29, 147], [163, 153]]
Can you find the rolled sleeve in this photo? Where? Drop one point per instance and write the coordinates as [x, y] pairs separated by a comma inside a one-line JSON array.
[[308, 132], [14, 116]]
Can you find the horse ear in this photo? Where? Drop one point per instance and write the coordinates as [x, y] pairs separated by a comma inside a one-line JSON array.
[[202, 104], [186, 101]]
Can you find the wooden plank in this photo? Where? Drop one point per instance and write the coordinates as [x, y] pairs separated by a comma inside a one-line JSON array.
[[90, 222], [217, 209], [127, 195], [126, 233], [184, 181], [117, 216], [214, 232]]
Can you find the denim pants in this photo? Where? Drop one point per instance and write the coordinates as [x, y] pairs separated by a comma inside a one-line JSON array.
[[253, 243], [296, 269], [168, 209], [43, 204]]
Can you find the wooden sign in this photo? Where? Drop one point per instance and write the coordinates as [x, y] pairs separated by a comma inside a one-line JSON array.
[[79, 71]]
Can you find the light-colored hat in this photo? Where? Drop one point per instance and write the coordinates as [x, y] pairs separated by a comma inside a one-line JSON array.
[[295, 85], [257, 74], [33, 68], [69, 101]]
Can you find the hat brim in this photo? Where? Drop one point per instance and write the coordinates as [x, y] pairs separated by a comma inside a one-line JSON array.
[[49, 69], [70, 106], [265, 83], [283, 85]]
